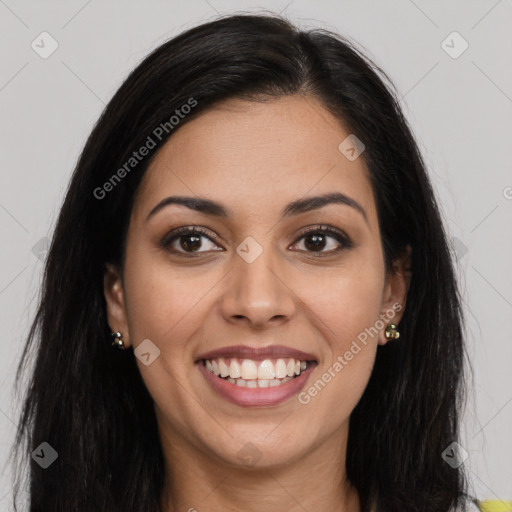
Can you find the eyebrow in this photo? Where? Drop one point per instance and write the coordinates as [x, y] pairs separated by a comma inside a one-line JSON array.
[[209, 207]]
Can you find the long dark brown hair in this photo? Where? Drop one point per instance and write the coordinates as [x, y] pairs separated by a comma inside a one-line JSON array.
[[87, 399]]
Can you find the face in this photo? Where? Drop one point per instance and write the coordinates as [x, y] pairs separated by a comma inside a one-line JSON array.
[[273, 284]]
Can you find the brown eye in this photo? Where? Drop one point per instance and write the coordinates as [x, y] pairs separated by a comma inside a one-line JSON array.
[[324, 240], [189, 240]]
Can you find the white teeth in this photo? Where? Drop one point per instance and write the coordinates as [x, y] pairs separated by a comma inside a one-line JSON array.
[[290, 368], [266, 370], [234, 369], [224, 369], [254, 374], [249, 369], [258, 383], [281, 371]]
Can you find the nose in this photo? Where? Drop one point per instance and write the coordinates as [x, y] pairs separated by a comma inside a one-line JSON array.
[[258, 294]]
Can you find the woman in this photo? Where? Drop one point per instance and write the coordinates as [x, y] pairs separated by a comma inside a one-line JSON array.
[[252, 223]]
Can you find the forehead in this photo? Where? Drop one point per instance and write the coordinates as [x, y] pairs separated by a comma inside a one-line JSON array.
[[257, 155]]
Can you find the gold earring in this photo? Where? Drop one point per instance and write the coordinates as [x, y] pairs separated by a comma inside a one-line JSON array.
[[392, 332], [118, 340]]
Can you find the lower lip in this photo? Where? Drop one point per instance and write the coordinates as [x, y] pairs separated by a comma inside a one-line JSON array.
[[256, 397]]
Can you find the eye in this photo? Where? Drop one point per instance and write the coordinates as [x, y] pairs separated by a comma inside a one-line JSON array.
[[318, 238], [188, 240], [323, 240]]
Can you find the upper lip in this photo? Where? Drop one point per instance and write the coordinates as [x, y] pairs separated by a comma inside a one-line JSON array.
[[257, 353]]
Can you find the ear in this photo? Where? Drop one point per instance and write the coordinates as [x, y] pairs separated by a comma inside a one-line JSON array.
[[395, 292], [114, 297]]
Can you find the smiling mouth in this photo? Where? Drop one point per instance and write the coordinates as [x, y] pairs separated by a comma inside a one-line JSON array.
[[249, 373]]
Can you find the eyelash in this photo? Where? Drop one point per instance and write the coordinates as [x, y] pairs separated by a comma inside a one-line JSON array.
[[338, 235]]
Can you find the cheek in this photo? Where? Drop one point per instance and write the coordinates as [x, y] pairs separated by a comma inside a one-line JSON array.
[[345, 302], [345, 306], [161, 299], [345, 314], [167, 306]]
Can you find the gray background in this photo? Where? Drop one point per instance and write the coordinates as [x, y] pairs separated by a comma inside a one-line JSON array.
[[460, 109]]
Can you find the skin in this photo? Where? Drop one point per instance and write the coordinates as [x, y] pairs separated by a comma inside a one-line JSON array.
[[254, 158]]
